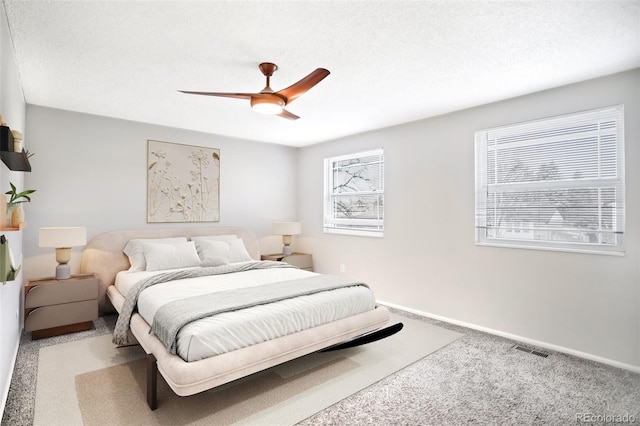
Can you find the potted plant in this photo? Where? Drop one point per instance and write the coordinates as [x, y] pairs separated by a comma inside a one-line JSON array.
[[13, 206]]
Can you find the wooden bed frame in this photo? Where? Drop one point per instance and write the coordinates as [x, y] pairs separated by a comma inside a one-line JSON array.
[[104, 257]]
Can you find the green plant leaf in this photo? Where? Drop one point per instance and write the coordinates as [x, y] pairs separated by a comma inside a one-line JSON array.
[[16, 196]]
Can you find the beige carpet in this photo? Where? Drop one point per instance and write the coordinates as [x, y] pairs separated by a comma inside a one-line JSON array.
[[89, 382]]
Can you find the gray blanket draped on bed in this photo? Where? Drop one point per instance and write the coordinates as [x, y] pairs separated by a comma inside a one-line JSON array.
[[121, 330], [171, 317]]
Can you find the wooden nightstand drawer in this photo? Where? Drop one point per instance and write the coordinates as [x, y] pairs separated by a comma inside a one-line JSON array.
[[45, 294], [54, 307], [59, 315], [301, 260]]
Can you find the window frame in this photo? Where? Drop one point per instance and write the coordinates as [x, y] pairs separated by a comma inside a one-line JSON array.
[[600, 183], [331, 224]]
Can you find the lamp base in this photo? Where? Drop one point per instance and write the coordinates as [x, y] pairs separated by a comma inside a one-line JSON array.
[[63, 271], [287, 250]]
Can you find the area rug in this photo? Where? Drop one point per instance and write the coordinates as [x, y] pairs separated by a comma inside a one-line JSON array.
[[89, 382]]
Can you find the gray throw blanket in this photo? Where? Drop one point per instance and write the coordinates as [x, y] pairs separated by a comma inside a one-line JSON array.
[[121, 330], [172, 316]]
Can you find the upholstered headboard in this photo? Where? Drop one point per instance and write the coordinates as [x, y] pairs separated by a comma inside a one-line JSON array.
[[104, 254]]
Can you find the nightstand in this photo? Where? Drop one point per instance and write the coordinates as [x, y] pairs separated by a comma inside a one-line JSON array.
[[53, 307], [301, 260]]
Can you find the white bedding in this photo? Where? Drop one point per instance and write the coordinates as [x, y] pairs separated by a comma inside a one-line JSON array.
[[234, 330]]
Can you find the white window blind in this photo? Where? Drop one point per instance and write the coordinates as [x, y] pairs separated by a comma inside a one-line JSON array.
[[354, 194], [556, 183]]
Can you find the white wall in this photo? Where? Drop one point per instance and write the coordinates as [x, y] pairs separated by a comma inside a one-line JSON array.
[[12, 108], [91, 171], [427, 260]]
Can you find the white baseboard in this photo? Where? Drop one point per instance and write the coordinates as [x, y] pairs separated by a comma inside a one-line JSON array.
[[579, 354], [5, 391]]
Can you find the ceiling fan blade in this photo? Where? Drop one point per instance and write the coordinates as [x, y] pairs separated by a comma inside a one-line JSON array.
[[224, 95], [292, 92], [288, 115]]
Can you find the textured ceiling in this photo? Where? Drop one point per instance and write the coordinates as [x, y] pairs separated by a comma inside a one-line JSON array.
[[391, 61]]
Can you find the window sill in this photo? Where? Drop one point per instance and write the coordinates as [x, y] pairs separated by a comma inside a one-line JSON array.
[[560, 249], [354, 233]]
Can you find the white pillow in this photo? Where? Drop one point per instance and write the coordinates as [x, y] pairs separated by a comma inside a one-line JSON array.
[[134, 252], [233, 250], [170, 256]]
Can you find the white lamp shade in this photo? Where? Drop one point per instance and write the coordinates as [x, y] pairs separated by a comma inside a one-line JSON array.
[[287, 228], [62, 237]]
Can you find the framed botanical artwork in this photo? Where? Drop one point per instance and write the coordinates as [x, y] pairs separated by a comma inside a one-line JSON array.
[[183, 183]]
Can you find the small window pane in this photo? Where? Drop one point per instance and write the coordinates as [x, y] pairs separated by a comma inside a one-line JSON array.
[[354, 193], [361, 207]]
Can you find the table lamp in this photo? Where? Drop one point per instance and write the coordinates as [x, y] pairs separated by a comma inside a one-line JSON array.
[[287, 229], [62, 239]]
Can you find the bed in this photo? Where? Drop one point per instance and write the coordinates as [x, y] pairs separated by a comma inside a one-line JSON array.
[[335, 314]]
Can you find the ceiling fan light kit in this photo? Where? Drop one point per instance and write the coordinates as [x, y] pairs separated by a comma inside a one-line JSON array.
[[269, 102], [270, 106]]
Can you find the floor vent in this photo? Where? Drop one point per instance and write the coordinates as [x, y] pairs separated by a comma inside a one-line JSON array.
[[530, 351]]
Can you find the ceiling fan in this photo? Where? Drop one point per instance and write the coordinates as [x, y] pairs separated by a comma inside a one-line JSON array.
[[269, 102]]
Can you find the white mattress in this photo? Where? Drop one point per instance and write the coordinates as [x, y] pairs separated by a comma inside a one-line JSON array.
[[234, 330]]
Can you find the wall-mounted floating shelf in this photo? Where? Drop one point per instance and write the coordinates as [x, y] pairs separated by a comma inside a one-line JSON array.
[[16, 161], [9, 228]]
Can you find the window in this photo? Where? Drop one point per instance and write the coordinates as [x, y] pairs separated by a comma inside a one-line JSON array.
[[556, 183], [354, 194]]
